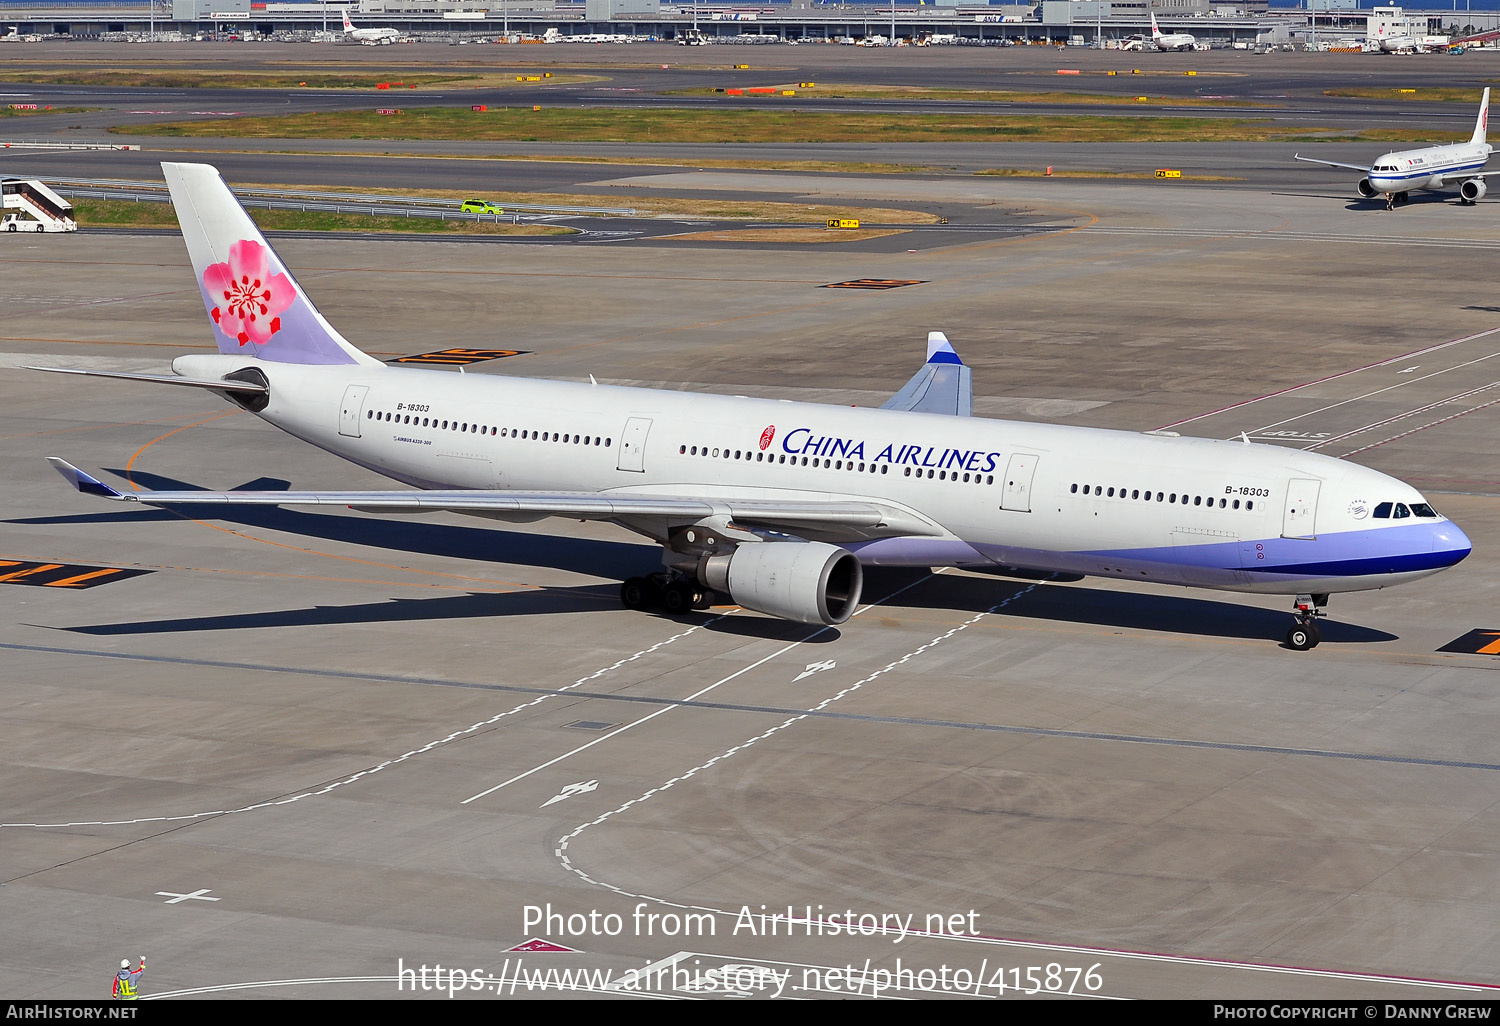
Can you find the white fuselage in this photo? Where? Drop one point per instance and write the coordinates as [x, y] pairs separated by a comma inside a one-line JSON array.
[[1037, 497], [1431, 167]]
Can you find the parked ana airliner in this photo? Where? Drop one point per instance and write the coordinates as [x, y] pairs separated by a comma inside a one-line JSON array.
[[1173, 41], [1433, 167], [369, 36], [774, 504]]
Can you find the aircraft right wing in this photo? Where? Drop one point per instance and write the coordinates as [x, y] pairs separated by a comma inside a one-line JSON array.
[[1332, 163], [943, 385], [847, 520]]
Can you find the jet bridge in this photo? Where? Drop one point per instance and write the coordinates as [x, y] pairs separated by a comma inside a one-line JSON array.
[[29, 206]]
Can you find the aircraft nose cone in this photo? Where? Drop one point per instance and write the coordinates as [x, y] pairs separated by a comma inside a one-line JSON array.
[[1450, 542]]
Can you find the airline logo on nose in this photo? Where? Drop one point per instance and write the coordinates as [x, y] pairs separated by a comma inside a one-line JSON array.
[[766, 436]]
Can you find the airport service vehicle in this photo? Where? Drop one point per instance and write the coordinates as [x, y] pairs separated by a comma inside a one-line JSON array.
[[779, 505], [479, 206], [1172, 41], [27, 205], [369, 36], [1432, 167]]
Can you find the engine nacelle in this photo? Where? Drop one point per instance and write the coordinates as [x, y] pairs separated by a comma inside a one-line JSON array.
[[810, 582], [1472, 190], [1367, 190]]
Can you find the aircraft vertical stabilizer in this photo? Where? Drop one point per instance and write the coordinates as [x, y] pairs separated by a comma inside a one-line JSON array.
[[256, 307], [1482, 124]]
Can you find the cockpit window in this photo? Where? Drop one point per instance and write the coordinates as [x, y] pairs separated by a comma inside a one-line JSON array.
[[1421, 509], [1401, 512], [1383, 511]]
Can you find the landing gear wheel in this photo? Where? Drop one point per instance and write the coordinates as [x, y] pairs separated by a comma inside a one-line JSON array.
[[1317, 633], [679, 597], [635, 593], [1300, 638]]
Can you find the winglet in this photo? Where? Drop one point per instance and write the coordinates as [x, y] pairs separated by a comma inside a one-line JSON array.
[[942, 385], [83, 482], [940, 350]]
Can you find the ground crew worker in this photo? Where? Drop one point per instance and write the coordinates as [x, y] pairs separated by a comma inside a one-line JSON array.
[[126, 988]]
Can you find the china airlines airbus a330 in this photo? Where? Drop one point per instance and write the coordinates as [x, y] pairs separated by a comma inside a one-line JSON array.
[[778, 505]]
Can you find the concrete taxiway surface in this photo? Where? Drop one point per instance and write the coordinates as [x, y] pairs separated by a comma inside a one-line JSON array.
[[362, 744], [285, 753]]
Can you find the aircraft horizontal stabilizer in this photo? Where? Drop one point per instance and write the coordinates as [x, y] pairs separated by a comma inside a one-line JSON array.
[[847, 520], [943, 385], [218, 385]]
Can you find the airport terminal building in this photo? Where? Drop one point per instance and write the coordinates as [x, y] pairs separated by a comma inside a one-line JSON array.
[[1080, 22]]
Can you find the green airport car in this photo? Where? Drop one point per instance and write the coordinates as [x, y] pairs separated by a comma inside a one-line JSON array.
[[479, 206]]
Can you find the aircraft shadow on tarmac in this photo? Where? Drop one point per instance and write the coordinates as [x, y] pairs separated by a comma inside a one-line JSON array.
[[1361, 204], [1170, 614], [1070, 603], [480, 544], [530, 602]]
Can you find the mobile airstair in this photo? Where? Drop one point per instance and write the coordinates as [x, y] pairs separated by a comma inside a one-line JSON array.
[[29, 206]]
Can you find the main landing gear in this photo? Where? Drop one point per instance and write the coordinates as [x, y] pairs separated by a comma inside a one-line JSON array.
[[1305, 634], [674, 593]]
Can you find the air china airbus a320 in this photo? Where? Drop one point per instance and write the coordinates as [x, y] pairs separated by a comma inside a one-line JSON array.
[[1431, 167], [778, 505]]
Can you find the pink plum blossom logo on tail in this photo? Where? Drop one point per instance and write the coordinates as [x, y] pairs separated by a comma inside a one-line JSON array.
[[248, 298]]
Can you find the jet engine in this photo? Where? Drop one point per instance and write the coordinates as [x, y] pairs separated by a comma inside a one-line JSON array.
[[1367, 190], [810, 582], [1472, 190]]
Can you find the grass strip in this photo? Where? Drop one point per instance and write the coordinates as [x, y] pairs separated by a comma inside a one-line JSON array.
[[988, 96], [567, 124], [1425, 94], [10, 112], [726, 209], [126, 214], [1031, 172]]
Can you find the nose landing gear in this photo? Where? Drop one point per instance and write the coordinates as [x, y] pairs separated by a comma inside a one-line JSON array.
[[1304, 634]]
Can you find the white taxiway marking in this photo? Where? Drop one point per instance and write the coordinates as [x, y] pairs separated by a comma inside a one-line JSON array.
[[644, 719], [562, 847], [457, 734], [173, 898], [583, 787], [812, 668]]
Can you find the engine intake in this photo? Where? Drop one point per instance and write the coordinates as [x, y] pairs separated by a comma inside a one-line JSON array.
[[1472, 190], [810, 582], [1367, 190]]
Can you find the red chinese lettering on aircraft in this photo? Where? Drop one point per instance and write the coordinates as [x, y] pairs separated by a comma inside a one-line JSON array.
[[766, 436]]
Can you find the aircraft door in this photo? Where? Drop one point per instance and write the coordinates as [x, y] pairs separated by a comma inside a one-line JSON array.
[[352, 410], [1300, 514], [1017, 492], [633, 445]]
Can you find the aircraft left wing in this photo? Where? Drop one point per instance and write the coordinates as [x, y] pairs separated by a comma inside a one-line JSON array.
[[849, 520], [1332, 163], [943, 385]]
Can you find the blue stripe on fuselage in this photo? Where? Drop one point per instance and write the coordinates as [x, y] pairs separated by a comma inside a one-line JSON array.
[[1430, 172], [1410, 548]]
